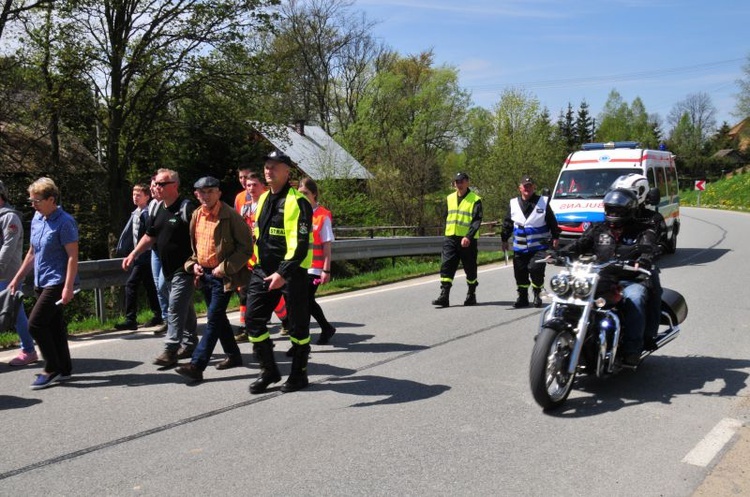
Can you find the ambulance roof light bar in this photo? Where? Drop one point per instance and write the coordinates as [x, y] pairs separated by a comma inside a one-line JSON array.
[[610, 145]]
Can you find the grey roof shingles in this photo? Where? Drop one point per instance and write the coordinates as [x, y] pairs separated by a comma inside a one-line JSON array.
[[315, 152]]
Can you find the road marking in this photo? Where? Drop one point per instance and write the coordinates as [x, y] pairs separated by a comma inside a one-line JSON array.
[[425, 280], [705, 451]]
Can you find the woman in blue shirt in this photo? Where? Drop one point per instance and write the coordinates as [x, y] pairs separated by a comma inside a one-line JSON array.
[[53, 252]]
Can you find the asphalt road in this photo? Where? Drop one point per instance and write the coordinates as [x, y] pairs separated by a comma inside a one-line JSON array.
[[407, 400]]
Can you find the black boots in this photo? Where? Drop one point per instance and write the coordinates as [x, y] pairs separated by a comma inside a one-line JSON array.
[[269, 372], [298, 377], [442, 300], [537, 297], [471, 295], [523, 298]]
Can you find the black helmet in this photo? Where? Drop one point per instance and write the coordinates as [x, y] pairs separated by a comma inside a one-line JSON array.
[[620, 206]]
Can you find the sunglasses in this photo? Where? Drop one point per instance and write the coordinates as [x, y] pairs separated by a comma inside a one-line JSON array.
[[162, 184]]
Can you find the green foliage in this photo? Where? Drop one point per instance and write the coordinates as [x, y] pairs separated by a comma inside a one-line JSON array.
[[729, 193], [348, 201], [516, 139], [621, 122], [409, 121]]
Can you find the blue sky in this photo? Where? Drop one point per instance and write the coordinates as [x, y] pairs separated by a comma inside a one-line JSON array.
[[564, 51]]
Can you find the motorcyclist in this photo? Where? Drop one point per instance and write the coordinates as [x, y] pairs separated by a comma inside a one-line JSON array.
[[623, 237], [652, 219]]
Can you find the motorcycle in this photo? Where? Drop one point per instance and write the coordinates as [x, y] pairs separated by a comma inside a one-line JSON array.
[[580, 332]]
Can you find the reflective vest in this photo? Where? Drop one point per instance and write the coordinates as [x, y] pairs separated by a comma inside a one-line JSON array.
[[289, 231], [319, 215], [459, 216], [530, 234]]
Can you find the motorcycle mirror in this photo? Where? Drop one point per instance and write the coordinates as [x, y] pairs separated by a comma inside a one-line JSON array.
[[653, 196]]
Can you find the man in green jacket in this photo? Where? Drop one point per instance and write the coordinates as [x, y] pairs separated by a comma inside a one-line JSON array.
[[221, 244]]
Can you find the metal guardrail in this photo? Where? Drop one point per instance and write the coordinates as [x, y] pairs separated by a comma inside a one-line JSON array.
[[100, 274]]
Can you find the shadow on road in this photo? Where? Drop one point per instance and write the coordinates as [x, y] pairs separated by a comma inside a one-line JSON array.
[[658, 379], [692, 257], [395, 391], [13, 402], [359, 343]]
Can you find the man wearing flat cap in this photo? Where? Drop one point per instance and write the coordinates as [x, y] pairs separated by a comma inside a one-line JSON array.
[[283, 250], [221, 245], [532, 224], [169, 233], [460, 244]]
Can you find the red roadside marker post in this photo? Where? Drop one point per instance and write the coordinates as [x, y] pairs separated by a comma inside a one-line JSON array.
[[700, 185]]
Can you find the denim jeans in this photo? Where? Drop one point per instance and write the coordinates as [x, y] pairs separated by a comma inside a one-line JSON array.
[[217, 323], [654, 305], [181, 319], [634, 307], [161, 285], [22, 325]]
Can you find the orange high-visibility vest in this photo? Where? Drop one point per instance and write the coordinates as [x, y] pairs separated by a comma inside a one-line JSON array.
[[319, 215]]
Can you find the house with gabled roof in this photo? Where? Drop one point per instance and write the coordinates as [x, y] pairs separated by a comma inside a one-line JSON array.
[[313, 151], [741, 133]]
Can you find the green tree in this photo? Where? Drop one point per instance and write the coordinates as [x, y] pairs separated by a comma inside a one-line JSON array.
[[615, 120], [742, 109], [524, 141], [567, 128], [11, 10], [329, 54], [701, 112], [408, 122], [142, 55], [584, 125]]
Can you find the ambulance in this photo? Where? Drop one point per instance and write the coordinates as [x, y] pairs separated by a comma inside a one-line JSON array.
[[586, 177]]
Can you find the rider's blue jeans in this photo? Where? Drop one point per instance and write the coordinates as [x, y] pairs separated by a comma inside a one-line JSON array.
[[634, 307]]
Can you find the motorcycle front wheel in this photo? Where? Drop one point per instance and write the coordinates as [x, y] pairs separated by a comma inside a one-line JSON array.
[[548, 372]]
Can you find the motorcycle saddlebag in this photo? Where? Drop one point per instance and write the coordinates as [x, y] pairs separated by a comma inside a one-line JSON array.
[[674, 304]]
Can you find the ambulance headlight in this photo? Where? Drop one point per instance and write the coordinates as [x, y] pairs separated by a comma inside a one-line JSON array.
[[560, 284]]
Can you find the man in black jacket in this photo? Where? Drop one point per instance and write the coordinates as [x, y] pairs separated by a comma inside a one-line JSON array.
[[622, 236], [283, 248], [141, 272]]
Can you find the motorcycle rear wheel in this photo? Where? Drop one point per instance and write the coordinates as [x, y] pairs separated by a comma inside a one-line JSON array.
[[548, 371]]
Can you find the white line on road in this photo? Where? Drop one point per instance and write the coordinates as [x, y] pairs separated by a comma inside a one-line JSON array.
[[427, 280], [705, 451]]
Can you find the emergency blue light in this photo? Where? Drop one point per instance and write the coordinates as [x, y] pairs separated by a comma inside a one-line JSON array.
[[610, 145]]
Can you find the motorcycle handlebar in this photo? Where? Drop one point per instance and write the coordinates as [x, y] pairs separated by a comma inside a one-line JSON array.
[[567, 260]]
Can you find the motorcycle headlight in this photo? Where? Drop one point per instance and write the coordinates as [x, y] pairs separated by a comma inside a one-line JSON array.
[[582, 287], [560, 284]]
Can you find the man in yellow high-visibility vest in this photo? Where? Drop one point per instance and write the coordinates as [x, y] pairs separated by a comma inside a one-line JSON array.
[[461, 233], [283, 252]]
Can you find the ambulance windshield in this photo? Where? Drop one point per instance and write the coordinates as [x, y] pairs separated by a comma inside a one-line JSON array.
[[587, 183]]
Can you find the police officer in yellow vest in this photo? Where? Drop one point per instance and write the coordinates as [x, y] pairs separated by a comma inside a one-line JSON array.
[[534, 227], [461, 232], [283, 250]]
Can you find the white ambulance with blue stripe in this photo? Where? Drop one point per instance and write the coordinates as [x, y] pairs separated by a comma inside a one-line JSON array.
[[587, 175]]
